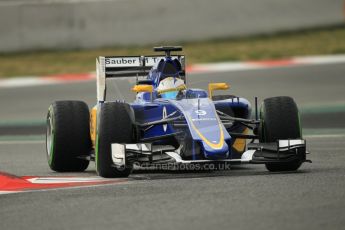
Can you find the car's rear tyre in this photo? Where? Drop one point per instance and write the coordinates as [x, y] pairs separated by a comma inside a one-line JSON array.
[[68, 136], [116, 125], [280, 120]]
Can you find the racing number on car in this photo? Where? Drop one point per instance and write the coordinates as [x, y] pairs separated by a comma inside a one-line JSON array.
[[200, 112]]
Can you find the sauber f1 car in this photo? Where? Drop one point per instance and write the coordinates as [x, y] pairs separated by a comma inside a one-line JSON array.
[[169, 123]]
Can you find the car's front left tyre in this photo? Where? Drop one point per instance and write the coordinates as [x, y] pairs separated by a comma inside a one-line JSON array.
[[116, 125]]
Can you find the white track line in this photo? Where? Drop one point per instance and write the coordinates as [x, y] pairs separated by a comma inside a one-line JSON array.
[[64, 188], [324, 136], [65, 182], [266, 64], [46, 2], [55, 180], [7, 192], [15, 142]]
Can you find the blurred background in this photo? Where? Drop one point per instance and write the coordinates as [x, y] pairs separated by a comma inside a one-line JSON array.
[[30, 25], [63, 37], [40, 37], [52, 38]]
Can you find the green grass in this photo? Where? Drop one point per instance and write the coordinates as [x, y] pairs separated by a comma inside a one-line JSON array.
[[312, 42]]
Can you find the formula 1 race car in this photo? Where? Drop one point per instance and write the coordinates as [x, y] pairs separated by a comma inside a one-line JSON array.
[[169, 123]]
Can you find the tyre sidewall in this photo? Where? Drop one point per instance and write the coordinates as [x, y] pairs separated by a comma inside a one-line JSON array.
[[115, 125]]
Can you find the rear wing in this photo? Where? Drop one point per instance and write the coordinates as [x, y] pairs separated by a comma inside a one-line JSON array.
[[127, 66]]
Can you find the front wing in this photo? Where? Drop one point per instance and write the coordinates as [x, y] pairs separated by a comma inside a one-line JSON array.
[[257, 153]]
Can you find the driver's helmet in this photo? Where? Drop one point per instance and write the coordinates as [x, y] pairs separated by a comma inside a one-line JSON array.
[[169, 87]]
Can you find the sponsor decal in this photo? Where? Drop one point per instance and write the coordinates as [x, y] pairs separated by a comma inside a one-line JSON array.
[[125, 61], [204, 119], [133, 61], [200, 112], [151, 61]]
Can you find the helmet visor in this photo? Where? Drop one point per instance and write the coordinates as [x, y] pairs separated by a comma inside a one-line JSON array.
[[169, 95]]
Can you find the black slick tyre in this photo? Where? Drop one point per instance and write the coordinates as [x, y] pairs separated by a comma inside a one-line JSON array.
[[116, 125], [280, 120], [68, 136]]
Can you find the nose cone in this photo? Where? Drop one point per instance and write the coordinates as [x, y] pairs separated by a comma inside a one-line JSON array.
[[216, 153], [205, 126]]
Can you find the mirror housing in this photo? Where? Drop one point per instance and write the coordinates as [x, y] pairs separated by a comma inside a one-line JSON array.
[[143, 88], [216, 86]]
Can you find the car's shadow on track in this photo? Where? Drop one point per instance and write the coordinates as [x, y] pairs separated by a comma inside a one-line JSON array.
[[235, 171], [158, 174]]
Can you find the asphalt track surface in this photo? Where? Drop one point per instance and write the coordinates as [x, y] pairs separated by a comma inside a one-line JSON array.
[[245, 197]]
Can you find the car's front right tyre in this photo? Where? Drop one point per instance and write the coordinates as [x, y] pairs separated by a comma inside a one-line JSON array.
[[68, 136], [280, 121]]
